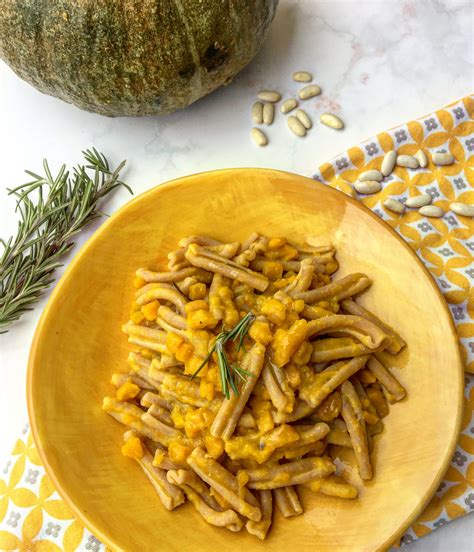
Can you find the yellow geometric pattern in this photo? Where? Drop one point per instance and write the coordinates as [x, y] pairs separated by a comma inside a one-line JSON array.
[[445, 245], [32, 516]]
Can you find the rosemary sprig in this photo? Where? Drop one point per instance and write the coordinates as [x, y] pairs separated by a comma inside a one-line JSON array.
[[52, 209], [229, 372]]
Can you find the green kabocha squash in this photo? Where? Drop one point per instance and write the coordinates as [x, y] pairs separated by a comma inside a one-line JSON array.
[[131, 57]]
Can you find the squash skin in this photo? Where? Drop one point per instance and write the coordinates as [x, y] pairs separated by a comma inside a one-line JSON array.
[[131, 57]]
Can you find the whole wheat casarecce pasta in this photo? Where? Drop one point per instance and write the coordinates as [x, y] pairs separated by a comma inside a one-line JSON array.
[[250, 365]]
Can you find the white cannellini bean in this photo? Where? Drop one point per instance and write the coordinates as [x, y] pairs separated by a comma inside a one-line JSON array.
[[303, 117], [288, 105], [394, 205], [388, 163], [296, 126], [331, 120], [408, 161], [418, 201], [431, 211], [259, 137], [269, 96], [257, 113], [443, 158], [268, 113], [309, 91], [367, 187], [372, 174], [462, 209], [302, 76], [422, 159]]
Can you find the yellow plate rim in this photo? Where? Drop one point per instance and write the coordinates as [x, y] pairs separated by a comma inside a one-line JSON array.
[[88, 523]]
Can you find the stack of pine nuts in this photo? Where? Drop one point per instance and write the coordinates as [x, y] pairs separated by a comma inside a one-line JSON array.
[[263, 110], [370, 182]]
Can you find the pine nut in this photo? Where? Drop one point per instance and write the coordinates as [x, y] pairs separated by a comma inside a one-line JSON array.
[[367, 187], [408, 161], [309, 91], [268, 113], [422, 159], [303, 117], [463, 209], [296, 126], [257, 113], [269, 96], [443, 158], [332, 121], [388, 163], [259, 137], [394, 205], [302, 76], [431, 211], [418, 201], [288, 105], [373, 174]]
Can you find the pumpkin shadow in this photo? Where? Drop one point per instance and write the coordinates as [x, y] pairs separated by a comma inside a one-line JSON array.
[[277, 44]]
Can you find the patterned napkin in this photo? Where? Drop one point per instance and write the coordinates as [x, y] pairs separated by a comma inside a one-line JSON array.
[[34, 518]]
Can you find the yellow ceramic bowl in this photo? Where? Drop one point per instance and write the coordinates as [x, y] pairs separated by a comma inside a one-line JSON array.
[[78, 344]]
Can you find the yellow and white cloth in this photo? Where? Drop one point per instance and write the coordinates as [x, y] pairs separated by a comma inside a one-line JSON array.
[[32, 515]]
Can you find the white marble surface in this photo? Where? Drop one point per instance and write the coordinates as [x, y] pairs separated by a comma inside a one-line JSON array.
[[379, 63]]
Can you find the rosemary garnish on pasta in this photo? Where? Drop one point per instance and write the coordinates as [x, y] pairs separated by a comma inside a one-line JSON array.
[[229, 372]]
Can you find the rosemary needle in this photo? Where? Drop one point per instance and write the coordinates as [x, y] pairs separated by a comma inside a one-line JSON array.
[[52, 210], [229, 372]]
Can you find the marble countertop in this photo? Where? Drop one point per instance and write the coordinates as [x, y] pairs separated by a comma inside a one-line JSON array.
[[379, 62]]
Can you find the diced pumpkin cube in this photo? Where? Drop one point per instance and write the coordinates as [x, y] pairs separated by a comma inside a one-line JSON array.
[[138, 282], [184, 352], [214, 446], [200, 318], [293, 374], [134, 308], [196, 421], [178, 452], [276, 243], [133, 448], [193, 364], [196, 305], [137, 317], [274, 310], [260, 332], [272, 270], [177, 415], [206, 389], [150, 310], [224, 292], [288, 344], [197, 291], [147, 353], [231, 316], [265, 422], [173, 342], [127, 391], [298, 306]]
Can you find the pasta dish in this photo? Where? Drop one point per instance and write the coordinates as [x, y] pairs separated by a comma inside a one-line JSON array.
[[251, 364]]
